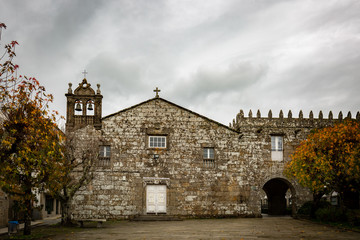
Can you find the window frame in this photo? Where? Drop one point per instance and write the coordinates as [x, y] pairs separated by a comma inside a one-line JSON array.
[[104, 158], [275, 144], [208, 157], [209, 154], [104, 151], [277, 147], [159, 144]]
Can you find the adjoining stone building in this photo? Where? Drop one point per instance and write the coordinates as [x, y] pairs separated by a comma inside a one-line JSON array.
[[159, 158]]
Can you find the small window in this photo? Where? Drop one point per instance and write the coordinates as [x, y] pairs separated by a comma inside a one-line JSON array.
[[277, 148], [276, 143], [104, 155], [157, 141], [334, 200], [104, 152], [208, 153], [208, 157]]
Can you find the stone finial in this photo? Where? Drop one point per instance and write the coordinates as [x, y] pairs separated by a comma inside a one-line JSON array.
[[358, 116], [250, 114], [330, 115], [241, 113], [301, 115], [258, 114], [281, 114], [233, 123], [340, 117], [238, 118], [349, 115], [289, 114], [311, 115], [98, 89], [270, 114], [69, 89], [321, 115]]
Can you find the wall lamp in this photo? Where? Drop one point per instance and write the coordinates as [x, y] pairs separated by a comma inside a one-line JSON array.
[[156, 156]]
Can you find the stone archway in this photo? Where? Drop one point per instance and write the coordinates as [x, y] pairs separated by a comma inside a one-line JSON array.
[[275, 190]]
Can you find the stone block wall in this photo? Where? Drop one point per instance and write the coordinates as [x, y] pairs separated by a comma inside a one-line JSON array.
[[4, 209], [233, 187], [255, 144], [192, 189]]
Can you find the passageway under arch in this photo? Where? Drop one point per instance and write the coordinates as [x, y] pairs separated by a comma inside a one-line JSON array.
[[275, 190]]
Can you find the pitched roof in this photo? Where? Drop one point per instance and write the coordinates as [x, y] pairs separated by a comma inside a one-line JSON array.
[[173, 104]]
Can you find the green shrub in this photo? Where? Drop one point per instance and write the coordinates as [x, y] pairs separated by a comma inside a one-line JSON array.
[[305, 209], [330, 214], [353, 217]]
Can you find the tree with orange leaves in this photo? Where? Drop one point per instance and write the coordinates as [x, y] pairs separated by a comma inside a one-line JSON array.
[[329, 159], [31, 149]]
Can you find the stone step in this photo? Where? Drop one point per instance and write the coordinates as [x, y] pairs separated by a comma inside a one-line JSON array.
[[153, 217]]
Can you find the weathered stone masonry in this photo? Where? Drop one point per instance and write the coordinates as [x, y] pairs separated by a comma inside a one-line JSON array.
[[256, 135], [233, 185]]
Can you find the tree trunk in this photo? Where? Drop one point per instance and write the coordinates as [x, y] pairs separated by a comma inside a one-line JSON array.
[[27, 217], [316, 203], [66, 215], [65, 209], [341, 202]]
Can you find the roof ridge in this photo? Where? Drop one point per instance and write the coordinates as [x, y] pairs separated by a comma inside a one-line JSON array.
[[176, 105]]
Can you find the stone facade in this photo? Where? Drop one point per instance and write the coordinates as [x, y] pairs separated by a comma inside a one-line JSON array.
[[4, 208], [263, 171], [159, 158]]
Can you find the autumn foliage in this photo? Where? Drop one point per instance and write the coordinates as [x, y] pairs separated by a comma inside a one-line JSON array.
[[329, 159], [31, 149]]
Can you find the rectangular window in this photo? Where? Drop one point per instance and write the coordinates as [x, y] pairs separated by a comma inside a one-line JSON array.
[[208, 157], [334, 201], [276, 148], [104, 155], [104, 151], [276, 143], [208, 153], [157, 141]]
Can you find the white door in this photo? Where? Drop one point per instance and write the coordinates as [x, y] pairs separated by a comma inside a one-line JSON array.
[[156, 198]]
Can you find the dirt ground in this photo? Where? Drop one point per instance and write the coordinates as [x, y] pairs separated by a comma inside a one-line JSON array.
[[237, 228]]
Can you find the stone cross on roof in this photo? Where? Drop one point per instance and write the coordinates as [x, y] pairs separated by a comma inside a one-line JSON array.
[[157, 92], [84, 72]]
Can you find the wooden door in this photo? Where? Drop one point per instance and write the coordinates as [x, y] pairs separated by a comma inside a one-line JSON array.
[[156, 199]]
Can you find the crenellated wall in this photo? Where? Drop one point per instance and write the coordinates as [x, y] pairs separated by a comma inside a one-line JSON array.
[[311, 121], [255, 141]]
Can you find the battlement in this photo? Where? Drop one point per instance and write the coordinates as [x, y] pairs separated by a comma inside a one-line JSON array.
[[281, 121]]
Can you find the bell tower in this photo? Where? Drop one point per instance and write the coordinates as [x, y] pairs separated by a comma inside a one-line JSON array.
[[83, 106]]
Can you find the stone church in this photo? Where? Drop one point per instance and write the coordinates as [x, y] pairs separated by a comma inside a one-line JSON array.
[[160, 158]]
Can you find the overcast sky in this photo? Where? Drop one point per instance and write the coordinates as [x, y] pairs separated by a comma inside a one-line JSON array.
[[213, 57]]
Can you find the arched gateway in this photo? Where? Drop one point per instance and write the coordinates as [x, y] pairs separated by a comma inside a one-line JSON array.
[[275, 190]]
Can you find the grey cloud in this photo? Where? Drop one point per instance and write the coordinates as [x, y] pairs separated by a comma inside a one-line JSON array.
[[116, 75], [236, 79], [213, 57]]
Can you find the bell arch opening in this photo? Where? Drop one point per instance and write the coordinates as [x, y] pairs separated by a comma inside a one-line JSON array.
[[78, 108], [280, 195], [90, 108]]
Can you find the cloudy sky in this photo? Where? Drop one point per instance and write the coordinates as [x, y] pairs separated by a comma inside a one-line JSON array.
[[214, 57]]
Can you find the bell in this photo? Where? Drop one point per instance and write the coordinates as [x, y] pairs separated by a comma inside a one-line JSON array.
[[78, 107], [90, 108]]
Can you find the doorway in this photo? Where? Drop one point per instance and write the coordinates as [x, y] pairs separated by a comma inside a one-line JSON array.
[[155, 199], [279, 195]]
